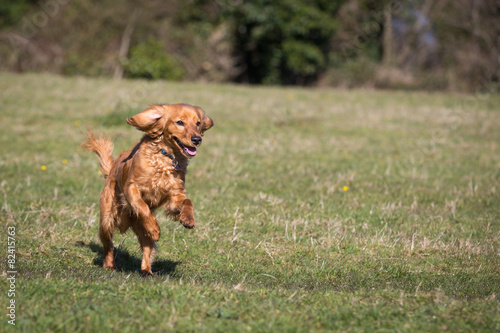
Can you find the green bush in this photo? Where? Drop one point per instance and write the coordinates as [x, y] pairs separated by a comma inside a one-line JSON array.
[[283, 42], [303, 58], [150, 61], [12, 11]]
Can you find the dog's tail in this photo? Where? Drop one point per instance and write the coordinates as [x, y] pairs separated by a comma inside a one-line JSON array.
[[103, 148]]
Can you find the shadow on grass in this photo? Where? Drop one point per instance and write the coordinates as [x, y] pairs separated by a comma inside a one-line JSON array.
[[127, 263]]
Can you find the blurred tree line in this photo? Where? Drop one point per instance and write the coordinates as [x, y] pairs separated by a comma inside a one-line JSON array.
[[419, 44]]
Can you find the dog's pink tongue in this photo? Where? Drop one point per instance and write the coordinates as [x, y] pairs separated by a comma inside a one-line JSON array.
[[191, 151]]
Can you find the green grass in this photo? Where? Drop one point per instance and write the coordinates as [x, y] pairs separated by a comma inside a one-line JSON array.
[[317, 210]]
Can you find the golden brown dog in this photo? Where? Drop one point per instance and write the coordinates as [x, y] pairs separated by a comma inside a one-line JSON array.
[[150, 176]]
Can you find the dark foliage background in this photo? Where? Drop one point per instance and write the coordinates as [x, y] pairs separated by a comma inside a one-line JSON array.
[[420, 44]]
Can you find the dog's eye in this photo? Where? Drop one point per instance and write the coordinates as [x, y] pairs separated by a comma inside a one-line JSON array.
[[180, 123], [198, 123]]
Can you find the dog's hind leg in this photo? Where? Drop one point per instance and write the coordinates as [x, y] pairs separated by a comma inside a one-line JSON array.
[[107, 245], [107, 227], [147, 246]]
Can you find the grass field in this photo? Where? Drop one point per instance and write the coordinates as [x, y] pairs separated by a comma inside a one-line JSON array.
[[317, 210]]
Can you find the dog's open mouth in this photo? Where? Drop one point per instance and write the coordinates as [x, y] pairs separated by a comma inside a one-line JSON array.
[[187, 150]]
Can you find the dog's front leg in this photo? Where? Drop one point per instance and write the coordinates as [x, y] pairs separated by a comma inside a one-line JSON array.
[[182, 209], [187, 214], [142, 210]]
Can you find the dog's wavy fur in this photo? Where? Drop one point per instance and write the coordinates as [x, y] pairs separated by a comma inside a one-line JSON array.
[[150, 176]]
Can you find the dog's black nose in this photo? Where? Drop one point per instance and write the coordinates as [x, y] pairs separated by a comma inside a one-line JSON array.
[[196, 140]]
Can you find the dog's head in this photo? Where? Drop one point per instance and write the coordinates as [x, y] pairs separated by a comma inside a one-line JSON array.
[[182, 125]]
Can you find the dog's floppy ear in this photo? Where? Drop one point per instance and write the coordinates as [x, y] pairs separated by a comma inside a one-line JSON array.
[[148, 121], [206, 123]]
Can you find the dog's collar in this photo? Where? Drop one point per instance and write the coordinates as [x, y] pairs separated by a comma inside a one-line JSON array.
[[175, 164]]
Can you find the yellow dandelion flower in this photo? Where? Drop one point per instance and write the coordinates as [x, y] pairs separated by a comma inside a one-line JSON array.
[[99, 172], [65, 161], [345, 188], [44, 167], [77, 123], [290, 96]]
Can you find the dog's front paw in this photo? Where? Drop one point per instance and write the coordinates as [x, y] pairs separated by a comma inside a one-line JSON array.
[[188, 222], [155, 234], [187, 217], [153, 231]]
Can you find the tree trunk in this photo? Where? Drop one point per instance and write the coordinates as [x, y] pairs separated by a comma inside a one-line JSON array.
[[387, 54], [125, 43]]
